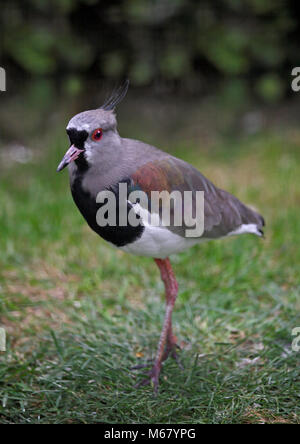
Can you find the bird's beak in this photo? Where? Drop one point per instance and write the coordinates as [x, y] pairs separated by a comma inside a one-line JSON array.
[[72, 154]]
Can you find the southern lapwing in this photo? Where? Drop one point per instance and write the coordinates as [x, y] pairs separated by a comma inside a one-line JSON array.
[[100, 160]]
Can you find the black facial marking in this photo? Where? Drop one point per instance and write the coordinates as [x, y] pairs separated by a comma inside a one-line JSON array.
[[77, 138]]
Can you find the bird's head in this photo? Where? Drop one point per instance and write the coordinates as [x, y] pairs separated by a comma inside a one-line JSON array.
[[91, 130]]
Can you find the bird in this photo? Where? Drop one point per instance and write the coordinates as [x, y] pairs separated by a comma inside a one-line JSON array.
[[99, 160]]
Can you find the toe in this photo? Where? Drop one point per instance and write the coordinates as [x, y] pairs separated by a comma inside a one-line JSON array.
[[153, 378]]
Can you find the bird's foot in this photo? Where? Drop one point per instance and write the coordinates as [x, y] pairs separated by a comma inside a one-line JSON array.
[[171, 351], [152, 377]]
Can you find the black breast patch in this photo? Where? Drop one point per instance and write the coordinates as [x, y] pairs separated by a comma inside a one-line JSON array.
[[117, 235]]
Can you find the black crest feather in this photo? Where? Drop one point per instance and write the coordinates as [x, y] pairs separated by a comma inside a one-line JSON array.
[[116, 97]]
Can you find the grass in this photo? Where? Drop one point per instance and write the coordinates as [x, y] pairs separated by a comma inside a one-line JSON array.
[[78, 313]]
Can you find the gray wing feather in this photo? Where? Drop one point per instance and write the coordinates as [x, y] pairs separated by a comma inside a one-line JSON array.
[[223, 212]]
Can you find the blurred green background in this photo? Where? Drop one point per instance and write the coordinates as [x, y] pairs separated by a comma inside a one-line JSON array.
[[210, 83], [230, 46], [228, 59]]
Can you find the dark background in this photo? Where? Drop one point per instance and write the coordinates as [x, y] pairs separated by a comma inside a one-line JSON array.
[[209, 66], [235, 48]]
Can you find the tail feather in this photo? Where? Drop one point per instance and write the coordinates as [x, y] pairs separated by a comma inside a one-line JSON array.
[[251, 216]]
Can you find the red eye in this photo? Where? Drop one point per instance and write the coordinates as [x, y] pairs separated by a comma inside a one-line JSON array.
[[97, 135]]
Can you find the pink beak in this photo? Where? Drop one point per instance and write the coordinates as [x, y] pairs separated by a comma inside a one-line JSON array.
[[72, 154]]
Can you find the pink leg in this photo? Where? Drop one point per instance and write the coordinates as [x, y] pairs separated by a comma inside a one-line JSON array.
[[171, 288], [167, 339]]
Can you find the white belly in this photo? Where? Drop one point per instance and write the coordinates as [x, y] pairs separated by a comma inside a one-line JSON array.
[[159, 243]]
